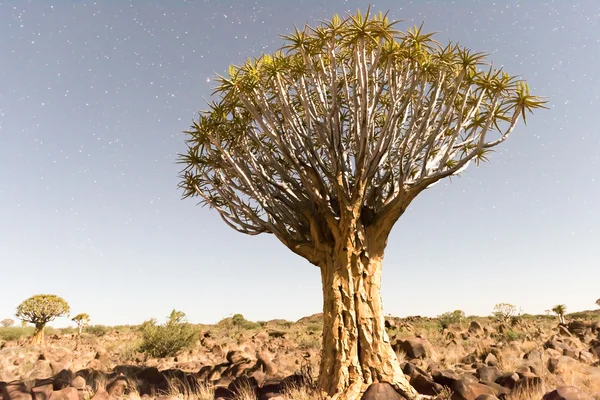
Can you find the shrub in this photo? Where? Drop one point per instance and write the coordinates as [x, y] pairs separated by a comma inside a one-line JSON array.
[[239, 322], [451, 317], [97, 330], [167, 340], [314, 327], [512, 335], [14, 333]]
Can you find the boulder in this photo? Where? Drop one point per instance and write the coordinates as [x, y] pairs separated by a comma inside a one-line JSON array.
[[567, 393], [563, 331], [382, 391], [63, 379], [561, 364], [445, 377], [508, 380], [42, 390], [415, 347], [101, 394], [488, 374], [68, 393], [117, 387], [468, 390], [78, 383], [223, 393], [425, 385], [528, 382], [475, 327], [269, 389], [266, 363], [491, 360]]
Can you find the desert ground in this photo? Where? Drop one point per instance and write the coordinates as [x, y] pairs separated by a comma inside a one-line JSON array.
[[524, 357]]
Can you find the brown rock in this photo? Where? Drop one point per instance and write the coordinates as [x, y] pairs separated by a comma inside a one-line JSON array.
[[586, 357], [475, 327], [101, 394], [563, 331], [571, 353], [489, 374], [68, 393], [561, 365], [567, 393], [223, 393], [117, 387], [382, 391], [425, 385], [491, 360], [78, 383], [42, 390], [528, 382], [508, 380], [265, 362], [234, 356], [445, 377], [63, 379], [41, 370], [415, 347], [465, 390], [269, 389]]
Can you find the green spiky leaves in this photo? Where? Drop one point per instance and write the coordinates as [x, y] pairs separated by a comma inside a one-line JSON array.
[[353, 113]]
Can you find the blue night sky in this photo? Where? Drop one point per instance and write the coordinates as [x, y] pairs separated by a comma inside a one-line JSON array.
[[93, 99]]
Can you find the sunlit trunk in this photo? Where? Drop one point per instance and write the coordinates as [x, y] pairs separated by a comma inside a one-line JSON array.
[[356, 347], [38, 334]]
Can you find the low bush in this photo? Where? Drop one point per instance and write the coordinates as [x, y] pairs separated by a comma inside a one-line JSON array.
[[15, 333], [167, 340], [450, 318], [97, 330]]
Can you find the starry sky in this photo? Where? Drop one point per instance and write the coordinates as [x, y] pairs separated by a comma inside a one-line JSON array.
[[93, 99]]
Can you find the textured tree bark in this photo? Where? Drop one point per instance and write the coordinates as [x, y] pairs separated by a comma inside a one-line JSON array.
[[356, 348], [38, 334]]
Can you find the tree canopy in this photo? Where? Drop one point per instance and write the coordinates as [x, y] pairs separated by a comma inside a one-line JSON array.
[[349, 120], [42, 308]]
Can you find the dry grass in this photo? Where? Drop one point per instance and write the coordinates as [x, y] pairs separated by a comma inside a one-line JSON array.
[[302, 393], [534, 393]]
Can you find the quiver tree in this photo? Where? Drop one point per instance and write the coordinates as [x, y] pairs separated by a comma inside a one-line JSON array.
[[39, 310], [82, 320], [325, 143], [560, 310], [504, 312], [7, 322]]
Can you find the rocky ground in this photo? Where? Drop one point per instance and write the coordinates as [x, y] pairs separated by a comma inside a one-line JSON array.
[[477, 359]]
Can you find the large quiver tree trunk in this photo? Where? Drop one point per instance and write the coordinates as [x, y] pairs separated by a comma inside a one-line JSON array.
[[356, 347], [38, 334]]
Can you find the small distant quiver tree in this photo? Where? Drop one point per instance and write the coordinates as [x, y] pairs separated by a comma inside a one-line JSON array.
[[82, 320], [7, 322], [560, 310], [326, 142], [39, 310]]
